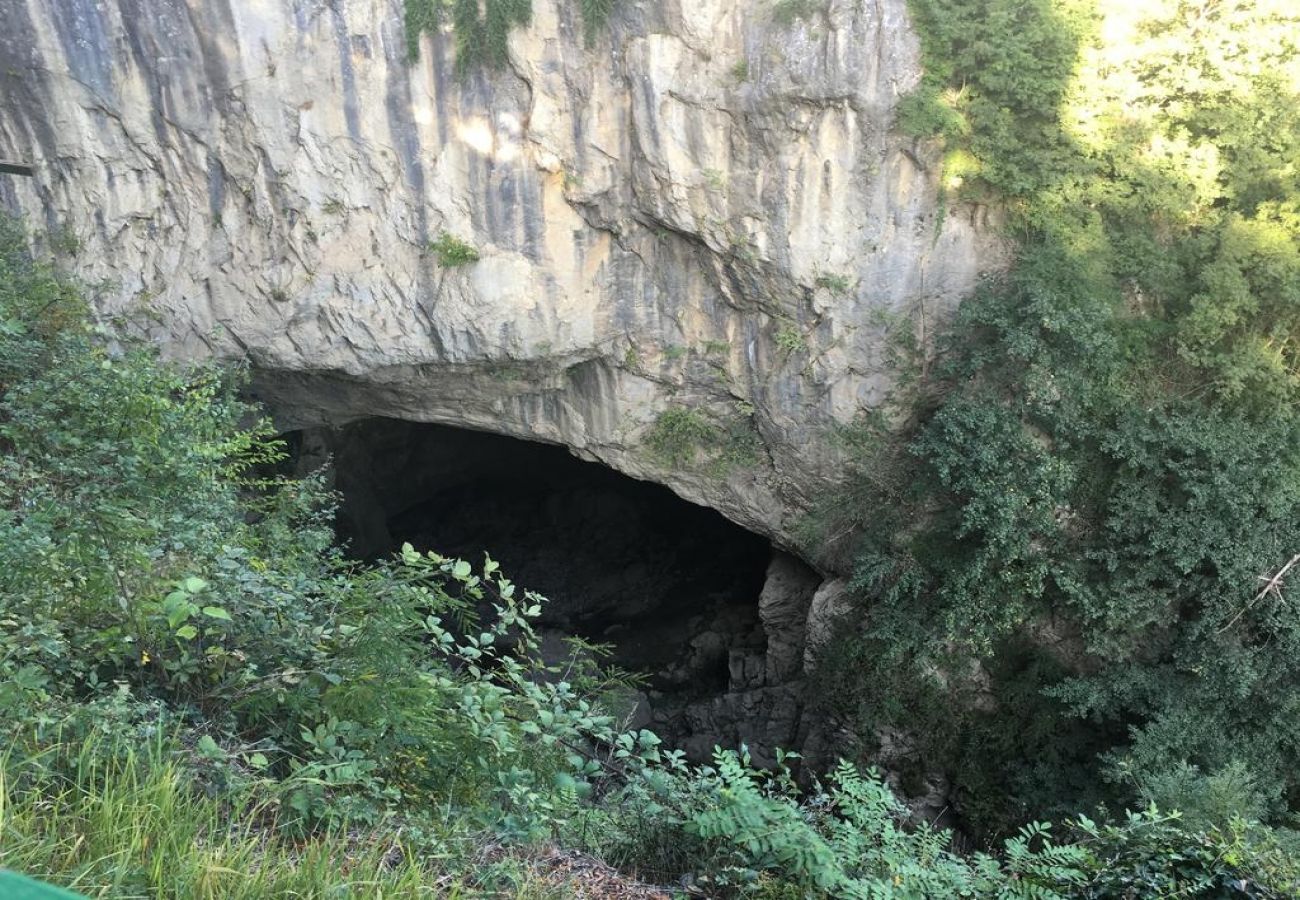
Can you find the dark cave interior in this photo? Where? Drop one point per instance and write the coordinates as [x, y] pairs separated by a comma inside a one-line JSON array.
[[673, 587]]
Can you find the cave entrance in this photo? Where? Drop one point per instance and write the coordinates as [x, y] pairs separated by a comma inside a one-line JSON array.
[[673, 587]]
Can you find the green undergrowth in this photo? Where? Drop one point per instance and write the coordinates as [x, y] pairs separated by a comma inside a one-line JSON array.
[[1073, 528], [127, 820]]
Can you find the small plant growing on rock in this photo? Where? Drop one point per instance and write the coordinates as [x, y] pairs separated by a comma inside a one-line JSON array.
[[677, 435], [595, 13], [452, 251], [687, 437], [742, 245], [836, 283], [787, 12], [790, 339], [739, 446], [740, 71], [482, 29]]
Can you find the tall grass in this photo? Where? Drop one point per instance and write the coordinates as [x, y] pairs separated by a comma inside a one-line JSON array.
[[130, 824]]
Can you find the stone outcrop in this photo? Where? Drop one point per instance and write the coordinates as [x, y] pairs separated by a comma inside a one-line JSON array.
[[706, 211]]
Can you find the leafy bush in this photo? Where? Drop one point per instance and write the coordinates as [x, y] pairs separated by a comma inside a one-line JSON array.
[[789, 339], [835, 282], [850, 841], [1102, 465], [678, 434]]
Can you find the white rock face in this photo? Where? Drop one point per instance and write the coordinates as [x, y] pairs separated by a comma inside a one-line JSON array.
[[705, 211]]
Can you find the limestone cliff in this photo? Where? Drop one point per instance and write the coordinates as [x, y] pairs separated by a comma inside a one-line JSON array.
[[706, 210]]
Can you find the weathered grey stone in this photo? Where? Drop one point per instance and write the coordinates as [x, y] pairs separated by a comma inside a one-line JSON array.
[[261, 180], [783, 609], [829, 607]]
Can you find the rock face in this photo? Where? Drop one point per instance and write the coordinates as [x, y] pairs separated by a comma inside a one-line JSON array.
[[694, 236]]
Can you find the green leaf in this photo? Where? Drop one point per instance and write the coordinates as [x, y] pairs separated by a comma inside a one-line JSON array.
[[208, 747], [193, 584], [216, 612], [179, 614], [460, 571], [187, 632]]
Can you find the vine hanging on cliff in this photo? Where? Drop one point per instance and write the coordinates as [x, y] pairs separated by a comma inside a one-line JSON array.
[[481, 28]]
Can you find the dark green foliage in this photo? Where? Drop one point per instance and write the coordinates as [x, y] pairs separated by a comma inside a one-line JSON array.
[[679, 434], [1154, 855], [421, 16], [481, 28], [1111, 473], [996, 72], [682, 437], [787, 12], [595, 13]]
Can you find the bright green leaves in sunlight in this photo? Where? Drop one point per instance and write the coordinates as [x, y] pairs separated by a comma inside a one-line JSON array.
[[1112, 466]]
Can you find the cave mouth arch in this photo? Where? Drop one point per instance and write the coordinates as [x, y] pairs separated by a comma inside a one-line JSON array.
[[674, 588]]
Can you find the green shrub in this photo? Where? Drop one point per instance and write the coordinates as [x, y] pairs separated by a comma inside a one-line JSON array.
[[595, 14], [452, 251], [678, 434], [789, 339], [787, 12], [835, 282], [1101, 464]]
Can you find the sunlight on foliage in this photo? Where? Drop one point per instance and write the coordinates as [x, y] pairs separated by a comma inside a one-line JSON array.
[[1103, 465]]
